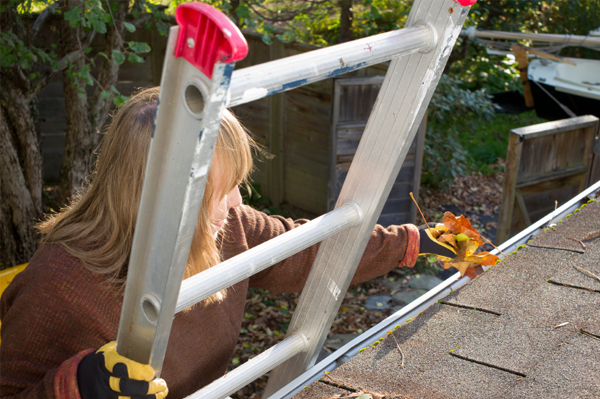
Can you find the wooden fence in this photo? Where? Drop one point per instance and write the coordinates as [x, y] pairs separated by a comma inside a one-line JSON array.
[[296, 127], [548, 162]]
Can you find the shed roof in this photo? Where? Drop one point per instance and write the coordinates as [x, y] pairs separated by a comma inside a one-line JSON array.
[[501, 335]]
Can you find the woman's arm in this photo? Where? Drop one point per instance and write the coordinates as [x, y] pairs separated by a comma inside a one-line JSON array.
[[387, 248]]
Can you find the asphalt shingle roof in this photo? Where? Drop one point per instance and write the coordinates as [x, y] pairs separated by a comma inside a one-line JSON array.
[[529, 327]]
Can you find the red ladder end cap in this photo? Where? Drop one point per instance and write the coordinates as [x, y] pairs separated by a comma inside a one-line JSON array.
[[466, 3], [207, 36]]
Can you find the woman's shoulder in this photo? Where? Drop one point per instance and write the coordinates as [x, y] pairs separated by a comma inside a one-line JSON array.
[[244, 213], [49, 264], [248, 216], [53, 272]]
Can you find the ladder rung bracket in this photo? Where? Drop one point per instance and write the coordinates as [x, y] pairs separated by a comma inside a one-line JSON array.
[[244, 265], [255, 82], [254, 368]]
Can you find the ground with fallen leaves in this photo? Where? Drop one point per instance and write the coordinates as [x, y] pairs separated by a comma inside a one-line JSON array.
[[268, 315], [476, 196]]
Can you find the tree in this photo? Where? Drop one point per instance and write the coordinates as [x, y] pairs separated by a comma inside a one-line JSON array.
[[29, 59]]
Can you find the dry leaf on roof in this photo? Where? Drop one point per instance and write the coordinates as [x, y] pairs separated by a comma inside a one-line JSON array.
[[457, 232]]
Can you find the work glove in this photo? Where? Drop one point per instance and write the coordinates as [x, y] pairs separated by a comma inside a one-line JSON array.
[[429, 245], [105, 374]]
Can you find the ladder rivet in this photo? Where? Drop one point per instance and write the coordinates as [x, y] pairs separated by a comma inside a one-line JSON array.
[[190, 42]]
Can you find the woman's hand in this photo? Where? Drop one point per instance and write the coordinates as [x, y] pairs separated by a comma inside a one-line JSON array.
[[106, 374], [429, 245]]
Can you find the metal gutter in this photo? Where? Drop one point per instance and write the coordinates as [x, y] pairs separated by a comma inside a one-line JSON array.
[[413, 309]]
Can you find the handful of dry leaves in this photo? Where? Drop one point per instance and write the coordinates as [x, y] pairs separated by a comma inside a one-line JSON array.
[[458, 233]]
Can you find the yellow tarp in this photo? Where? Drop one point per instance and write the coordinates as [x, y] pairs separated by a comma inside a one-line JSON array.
[[7, 275]]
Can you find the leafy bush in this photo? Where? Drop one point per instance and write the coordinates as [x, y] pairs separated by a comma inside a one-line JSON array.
[[490, 73], [453, 110], [251, 196], [487, 140]]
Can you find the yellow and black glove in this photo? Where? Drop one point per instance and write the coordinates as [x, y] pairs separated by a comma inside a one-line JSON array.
[[105, 374], [429, 245]]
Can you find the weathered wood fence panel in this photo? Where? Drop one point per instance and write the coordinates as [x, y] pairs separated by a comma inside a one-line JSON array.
[[548, 162], [352, 104]]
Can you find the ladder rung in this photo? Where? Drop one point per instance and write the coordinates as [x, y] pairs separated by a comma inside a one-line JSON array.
[[252, 83], [254, 368], [244, 265]]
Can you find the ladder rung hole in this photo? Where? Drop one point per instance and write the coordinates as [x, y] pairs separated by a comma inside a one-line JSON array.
[[194, 100], [151, 308]]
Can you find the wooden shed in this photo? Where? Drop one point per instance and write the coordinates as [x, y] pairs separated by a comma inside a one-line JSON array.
[[312, 131]]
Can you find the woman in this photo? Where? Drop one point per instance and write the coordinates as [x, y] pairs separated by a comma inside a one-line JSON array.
[[67, 303]]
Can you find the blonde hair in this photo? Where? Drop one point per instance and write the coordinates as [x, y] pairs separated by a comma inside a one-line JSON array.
[[98, 226]]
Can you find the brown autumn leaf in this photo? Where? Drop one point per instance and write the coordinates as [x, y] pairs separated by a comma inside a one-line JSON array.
[[465, 240], [457, 225]]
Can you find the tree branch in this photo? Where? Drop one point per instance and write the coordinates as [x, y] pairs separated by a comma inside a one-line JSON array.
[[40, 82], [290, 15], [141, 20], [114, 22], [109, 71], [39, 21], [89, 39]]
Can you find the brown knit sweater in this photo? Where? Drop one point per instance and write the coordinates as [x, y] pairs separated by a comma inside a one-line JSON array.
[[56, 311]]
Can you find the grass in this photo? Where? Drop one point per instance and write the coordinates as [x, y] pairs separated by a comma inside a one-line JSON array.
[[457, 146], [488, 139]]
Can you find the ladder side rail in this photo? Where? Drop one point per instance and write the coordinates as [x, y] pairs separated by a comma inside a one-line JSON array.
[[258, 81], [156, 242], [186, 126], [253, 368], [259, 258], [400, 106]]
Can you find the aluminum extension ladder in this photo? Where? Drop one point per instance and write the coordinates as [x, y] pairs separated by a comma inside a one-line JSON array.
[[198, 82]]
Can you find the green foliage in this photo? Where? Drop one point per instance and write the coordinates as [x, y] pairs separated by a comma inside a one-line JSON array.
[[118, 57], [118, 98], [93, 16], [86, 17], [370, 17], [487, 140], [138, 47], [480, 142], [318, 28], [251, 196], [574, 17], [490, 73], [379, 16], [452, 109], [13, 51]]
